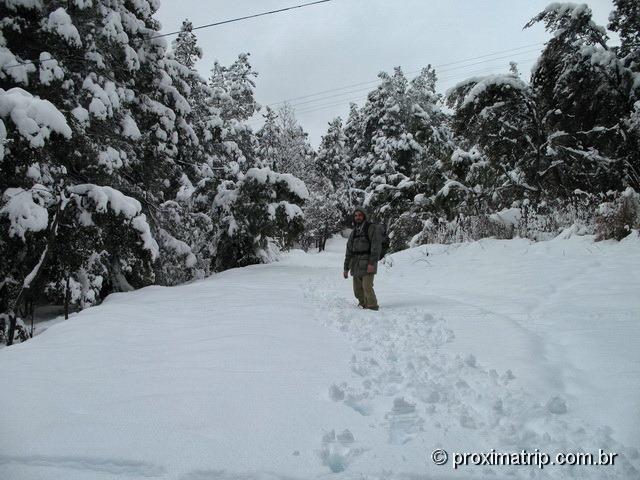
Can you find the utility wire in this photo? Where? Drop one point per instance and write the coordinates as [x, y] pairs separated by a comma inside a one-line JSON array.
[[305, 107], [319, 99], [30, 62], [315, 108], [244, 18], [415, 71]]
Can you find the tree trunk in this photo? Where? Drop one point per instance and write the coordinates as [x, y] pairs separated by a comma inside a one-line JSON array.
[[12, 329], [66, 300], [35, 273]]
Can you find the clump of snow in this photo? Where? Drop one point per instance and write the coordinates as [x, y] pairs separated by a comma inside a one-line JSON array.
[[98, 109], [291, 210], [111, 159], [82, 4], [130, 128], [108, 198], [49, 69], [34, 172], [106, 99], [34, 118], [449, 184], [266, 175], [112, 28], [81, 114], [131, 58], [509, 217], [12, 67], [470, 360], [149, 243], [25, 212], [177, 246], [186, 189], [401, 406], [557, 405], [60, 22], [505, 81], [575, 10]]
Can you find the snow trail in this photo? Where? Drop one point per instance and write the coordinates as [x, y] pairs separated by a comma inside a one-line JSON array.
[[410, 379]]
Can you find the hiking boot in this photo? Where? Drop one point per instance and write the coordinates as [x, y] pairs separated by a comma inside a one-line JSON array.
[[373, 308]]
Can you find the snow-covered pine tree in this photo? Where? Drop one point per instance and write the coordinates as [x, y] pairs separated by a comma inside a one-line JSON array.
[[255, 210], [95, 147], [430, 127], [184, 232], [332, 163], [625, 20], [354, 142], [283, 145], [295, 154], [185, 47], [323, 212], [270, 139], [583, 93], [259, 213], [500, 154], [405, 137]]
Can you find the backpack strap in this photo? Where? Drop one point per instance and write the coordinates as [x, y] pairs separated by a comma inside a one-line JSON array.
[[365, 231]]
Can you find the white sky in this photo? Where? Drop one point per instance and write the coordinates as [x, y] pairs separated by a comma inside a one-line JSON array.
[[344, 42]]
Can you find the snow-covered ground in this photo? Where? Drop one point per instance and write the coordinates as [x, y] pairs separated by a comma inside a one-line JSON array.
[[272, 372]]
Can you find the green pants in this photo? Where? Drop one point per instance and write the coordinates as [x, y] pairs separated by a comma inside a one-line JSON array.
[[363, 290]]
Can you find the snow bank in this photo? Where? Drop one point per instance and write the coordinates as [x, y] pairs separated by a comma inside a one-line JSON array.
[[272, 372]]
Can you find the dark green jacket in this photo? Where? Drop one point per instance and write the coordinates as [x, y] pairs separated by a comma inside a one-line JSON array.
[[360, 252]]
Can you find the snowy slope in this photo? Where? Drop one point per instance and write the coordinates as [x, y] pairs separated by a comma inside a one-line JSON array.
[[271, 372]]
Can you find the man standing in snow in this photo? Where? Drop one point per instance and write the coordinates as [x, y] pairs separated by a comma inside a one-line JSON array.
[[363, 251]]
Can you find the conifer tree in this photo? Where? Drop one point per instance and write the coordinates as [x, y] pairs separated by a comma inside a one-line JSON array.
[[103, 156]]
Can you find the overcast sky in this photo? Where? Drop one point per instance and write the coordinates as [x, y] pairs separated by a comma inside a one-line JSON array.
[[332, 45]]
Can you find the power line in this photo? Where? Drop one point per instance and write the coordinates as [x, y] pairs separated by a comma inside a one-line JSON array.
[[244, 18], [307, 108], [415, 71], [319, 99], [32, 62], [315, 108]]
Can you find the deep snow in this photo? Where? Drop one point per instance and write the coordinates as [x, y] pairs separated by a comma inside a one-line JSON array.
[[272, 372]]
